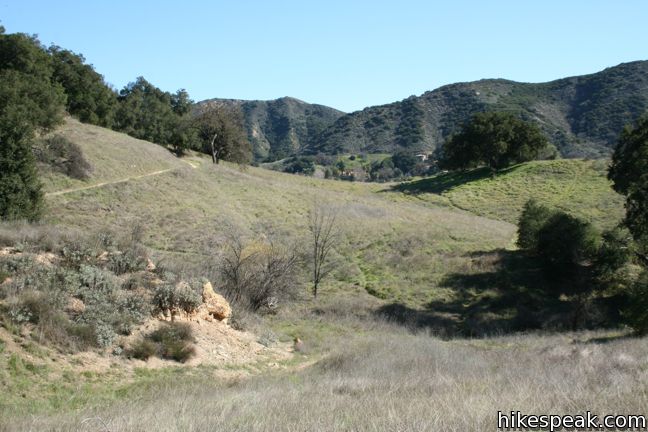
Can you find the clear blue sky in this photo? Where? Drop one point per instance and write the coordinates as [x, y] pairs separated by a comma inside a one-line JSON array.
[[345, 54]]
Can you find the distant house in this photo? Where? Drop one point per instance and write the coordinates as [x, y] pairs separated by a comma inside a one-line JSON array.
[[422, 157]]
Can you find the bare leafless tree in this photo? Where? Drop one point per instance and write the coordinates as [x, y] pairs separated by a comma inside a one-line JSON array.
[[325, 237], [258, 277]]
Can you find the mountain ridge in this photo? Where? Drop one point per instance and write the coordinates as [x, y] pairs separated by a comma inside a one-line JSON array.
[[581, 115]]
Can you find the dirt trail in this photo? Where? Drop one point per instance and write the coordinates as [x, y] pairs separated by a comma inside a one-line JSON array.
[[96, 185], [77, 189]]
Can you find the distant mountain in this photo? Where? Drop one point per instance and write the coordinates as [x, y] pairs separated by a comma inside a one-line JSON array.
[[581, 115], [281, 127]]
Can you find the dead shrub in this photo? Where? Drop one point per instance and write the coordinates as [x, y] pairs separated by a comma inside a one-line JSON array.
[[258, 275]]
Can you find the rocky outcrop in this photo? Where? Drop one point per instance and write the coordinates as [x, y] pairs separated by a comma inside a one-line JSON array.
[[215, 304]]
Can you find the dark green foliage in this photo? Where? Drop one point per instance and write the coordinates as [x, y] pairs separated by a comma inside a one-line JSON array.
[[494, 139], [221, 133], [409, 132], [29, 101], [534, 216], [383, 170], [63, 155], [566, 244], [636, 311], [405, 161], [89, 98], [174, 341], [581, 116], [142, 350], [146, 112], [300, 165], [181, 103], [629, 172], [637, 216], [20, 188], [613, 257], [630, 158]]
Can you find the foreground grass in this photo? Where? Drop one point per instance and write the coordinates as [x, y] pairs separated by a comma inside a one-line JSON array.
[[391, 380]]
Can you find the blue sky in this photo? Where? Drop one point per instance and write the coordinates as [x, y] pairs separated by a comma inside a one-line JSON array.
[[345, 54]]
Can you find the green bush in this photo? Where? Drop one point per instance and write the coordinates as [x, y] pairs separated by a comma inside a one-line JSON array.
[[635, 312], [175, 341], [64, 156], [173, 331], [76, 253], [132, 309], [566, 243], [142, 350], [173, 297], [131, 260], [533, 218]]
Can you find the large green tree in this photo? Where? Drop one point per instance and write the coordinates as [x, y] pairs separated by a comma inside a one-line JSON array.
[[629, 174], [89, 98], [221, 133], [29, 101], [494, 139], [146, 112]]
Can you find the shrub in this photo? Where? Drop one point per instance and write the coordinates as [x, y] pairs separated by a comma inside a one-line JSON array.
[[132, 310], [187, 298], [96, 281], [175, 341], [64, 156], [173, 331], [636, 311], [258, 275], [130, 260], [533, 218], [142, 350], [566, 242], [76, 253], [178, 351], [180, 296]]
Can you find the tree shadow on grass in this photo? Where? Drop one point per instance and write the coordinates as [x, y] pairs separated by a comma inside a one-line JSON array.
[[509, 295], [446, 181]]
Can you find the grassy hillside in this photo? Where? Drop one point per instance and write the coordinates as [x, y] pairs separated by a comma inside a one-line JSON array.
[[425, 257], [581, 115], [112, 155], [576, 186], [399, 244], [189, 211]]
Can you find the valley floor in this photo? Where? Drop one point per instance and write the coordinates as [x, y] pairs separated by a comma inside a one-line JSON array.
[[383, 380], [415, 330]]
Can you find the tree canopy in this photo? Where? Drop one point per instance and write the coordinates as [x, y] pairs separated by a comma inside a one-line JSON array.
[[29, 101], [88, 96], [629, 174], [221, 133], [494, 139]]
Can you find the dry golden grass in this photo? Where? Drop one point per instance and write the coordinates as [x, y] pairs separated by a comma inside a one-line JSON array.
[[392, 381]]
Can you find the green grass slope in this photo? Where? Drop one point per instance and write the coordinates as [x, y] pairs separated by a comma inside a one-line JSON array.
[[576, 186], [398, 250], [435, 245], [114, 156]]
